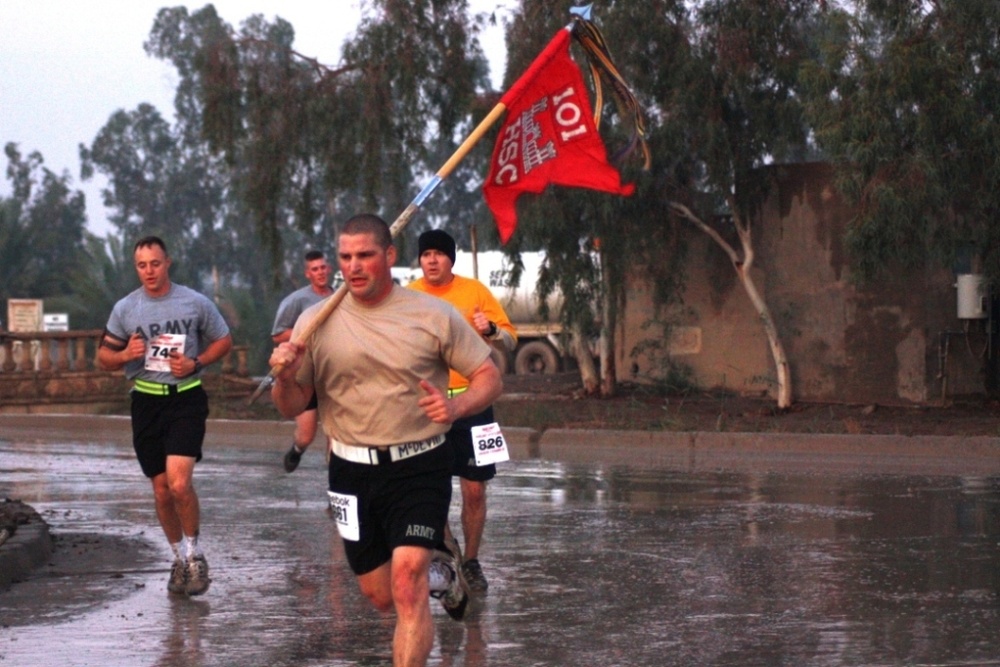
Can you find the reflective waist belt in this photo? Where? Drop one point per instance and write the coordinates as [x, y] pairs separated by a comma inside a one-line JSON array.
[[452, 393], [157, 389], [374, 455]]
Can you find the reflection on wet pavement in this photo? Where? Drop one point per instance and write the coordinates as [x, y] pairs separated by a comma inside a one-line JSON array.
[[588, 565]]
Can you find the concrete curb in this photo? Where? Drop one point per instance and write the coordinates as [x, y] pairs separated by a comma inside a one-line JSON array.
[[31, 545], [775, 452]]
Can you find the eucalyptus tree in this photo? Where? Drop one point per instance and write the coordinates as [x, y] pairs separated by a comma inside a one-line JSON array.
[[584, 234], [718, 81], [42, 227], [15, 252], [105, 273], [740, 108], [46, 251], [308, 143], [905, 100]]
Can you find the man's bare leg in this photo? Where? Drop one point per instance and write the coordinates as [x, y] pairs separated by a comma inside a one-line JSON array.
[[402, 585], [305, 431]]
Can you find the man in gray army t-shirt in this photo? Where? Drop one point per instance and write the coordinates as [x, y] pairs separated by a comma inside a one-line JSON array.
[[162, 335], [317, 272]]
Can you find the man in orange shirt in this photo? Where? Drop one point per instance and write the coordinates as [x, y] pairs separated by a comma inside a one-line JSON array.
[[481, 309]]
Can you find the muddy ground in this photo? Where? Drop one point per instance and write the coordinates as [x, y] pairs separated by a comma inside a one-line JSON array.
[[555, 401]]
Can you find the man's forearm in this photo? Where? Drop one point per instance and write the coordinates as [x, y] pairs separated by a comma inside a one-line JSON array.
[[485, 386], [508, 341], [111, 360], [289, 397]]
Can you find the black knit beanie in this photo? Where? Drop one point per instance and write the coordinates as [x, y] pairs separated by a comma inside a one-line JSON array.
[[437, 239]]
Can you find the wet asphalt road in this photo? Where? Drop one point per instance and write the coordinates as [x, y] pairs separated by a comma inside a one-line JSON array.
[[590, 564]]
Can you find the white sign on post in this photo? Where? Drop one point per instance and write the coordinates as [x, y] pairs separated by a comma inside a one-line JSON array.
[[55, 322]]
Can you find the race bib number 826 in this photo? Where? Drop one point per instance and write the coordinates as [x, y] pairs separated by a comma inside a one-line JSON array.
[[489, 444]]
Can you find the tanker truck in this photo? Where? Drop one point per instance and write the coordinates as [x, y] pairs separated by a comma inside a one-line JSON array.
[[541, 347]]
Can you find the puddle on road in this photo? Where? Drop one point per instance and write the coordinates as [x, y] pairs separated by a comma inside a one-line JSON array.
[[588, 565]]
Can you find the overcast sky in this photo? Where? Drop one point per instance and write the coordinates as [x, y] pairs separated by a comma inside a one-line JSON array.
[[66, 66]]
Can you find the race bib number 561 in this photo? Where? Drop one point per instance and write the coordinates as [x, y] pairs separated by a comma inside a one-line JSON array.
[[489, 444], [344, 510]]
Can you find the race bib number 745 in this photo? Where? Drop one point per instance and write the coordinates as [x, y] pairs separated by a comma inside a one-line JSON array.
[[159, 350], [489, 444]]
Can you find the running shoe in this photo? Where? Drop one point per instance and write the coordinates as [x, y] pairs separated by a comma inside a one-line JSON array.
[[178, 577], [474, 576], [197, 576], [455, 598], [292, 458], [453, 546]]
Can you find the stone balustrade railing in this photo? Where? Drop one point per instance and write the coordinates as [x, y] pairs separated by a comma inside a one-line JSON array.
[[57, 371], [69, 351]]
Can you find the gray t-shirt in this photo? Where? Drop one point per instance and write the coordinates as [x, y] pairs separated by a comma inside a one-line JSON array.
[[180, 311], [292, 306]]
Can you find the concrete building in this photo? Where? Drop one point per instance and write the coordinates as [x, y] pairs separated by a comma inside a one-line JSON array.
[[912, 337]]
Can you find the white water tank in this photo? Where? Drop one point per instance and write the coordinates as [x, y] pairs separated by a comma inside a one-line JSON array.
[[521, 302], [972, 300]]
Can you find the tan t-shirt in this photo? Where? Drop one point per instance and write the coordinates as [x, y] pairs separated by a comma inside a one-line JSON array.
[[366, 363]]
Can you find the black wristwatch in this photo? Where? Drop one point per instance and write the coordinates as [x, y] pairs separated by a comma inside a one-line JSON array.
[[493, 330], [197, 366]]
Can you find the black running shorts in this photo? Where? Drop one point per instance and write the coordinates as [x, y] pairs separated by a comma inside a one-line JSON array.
[[168, 425], [399, 504], [460, 437]]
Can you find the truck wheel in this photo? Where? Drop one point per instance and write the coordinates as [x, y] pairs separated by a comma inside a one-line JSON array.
[[501, 360], [536, 358]]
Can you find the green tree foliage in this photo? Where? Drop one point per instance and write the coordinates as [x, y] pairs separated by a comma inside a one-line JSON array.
[[46, 252], [718, 82], [308, 144], [904, 100], [270, 148], [165, 183], [150, 184], [42, 228], [105, 274]]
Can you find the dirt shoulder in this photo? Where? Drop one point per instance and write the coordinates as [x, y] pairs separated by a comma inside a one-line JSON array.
[[542, 402], [555, 399]]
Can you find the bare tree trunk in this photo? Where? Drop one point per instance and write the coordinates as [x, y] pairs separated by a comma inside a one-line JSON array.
[[742, 267], [777, 349], [585, 361], [609, 385], [607, 339]]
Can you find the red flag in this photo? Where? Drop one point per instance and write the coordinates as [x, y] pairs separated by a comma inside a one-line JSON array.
[[548, 137]]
